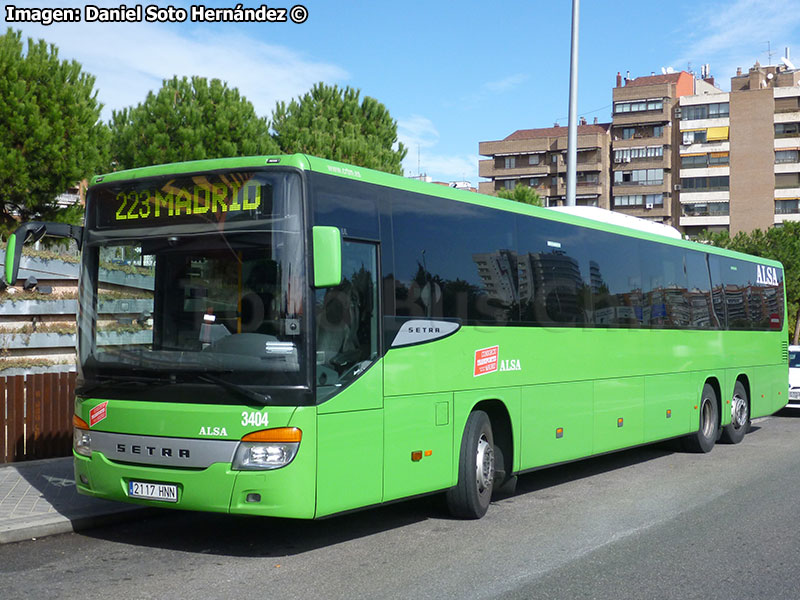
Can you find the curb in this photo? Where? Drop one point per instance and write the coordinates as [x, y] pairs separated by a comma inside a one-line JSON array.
[[55, 524]]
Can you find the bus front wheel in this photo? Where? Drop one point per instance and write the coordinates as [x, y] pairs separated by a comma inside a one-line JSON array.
[[740, 416], [705, 437], [470, 498]]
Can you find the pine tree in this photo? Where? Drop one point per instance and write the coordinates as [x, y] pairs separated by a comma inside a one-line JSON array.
[[50, 134], [333, 123], [188, 119]]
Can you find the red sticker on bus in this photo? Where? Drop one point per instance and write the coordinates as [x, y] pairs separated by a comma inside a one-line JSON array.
[[98, 413], [486, 360]]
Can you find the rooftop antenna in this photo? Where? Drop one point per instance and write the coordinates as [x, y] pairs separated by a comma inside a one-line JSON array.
[[770, 53]]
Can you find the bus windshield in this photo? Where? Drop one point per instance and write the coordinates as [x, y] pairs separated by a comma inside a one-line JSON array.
[[207, 300]]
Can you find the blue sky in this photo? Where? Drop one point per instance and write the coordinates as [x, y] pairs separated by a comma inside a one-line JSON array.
[[451, 73]]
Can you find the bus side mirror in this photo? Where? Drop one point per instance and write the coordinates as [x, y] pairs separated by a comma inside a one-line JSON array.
[[33, 231], [327, 256]]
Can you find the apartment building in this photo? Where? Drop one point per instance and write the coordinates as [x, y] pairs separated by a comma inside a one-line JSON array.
[[678, 151], [740, 153], [538, 158], [644, 144]]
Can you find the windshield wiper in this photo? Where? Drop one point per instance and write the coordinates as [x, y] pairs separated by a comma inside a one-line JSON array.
[[140, 380], [263, 399]]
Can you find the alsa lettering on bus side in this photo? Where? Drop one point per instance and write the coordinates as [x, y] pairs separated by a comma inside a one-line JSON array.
[[766, 275]]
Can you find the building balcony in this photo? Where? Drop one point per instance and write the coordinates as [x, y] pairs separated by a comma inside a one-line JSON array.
[[710, 196], [719, 171], [787, 116], [787, 167], [706, 147], [689, 124], [642, 116], [787, 193], [705, 221], [489, 169], [787, 143]]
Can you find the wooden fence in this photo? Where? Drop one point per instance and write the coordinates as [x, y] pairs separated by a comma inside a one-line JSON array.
[[37, 416]]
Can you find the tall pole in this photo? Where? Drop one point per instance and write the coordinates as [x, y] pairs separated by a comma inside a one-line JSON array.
[[572, 135]]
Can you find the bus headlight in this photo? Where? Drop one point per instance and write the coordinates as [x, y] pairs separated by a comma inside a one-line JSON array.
[[267, 449], [81, 437]]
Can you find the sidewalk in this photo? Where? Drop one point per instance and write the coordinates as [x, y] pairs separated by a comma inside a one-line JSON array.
[[38, 498]]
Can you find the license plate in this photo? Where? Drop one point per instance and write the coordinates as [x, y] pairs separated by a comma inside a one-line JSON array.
[[794, 395], [153, 491]]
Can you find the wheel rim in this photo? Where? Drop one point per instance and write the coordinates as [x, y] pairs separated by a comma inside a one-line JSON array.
[[484, 465], [738, 412], [708, 418]]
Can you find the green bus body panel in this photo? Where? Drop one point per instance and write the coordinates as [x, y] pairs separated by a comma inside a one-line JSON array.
[[349, 460], [420, 424]]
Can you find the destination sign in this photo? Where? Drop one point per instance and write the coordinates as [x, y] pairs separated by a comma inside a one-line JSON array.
[[209, 198]]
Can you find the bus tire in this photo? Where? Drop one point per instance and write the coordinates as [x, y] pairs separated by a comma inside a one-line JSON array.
[[705, 437], [740, 416], [470, 498]]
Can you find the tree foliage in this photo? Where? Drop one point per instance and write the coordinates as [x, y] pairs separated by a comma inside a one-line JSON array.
[[521, 193], [778, 243], [332, 123], [50, 134], [188, 119]]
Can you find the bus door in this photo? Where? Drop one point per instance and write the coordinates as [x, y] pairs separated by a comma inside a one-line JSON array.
[[349, 383]]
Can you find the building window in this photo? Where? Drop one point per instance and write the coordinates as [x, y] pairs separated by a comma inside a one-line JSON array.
[[587, 178], [658, 131], [535, 182], [640, 177], [705, 184], [628, 132], [706, 111], [787, 207], [705, 209], [694, 137], [646, 200], [511, 162], [787, 156], [509, 184], [554, 158], [534, 159], [787, 180], [787, 129], [638, 105]]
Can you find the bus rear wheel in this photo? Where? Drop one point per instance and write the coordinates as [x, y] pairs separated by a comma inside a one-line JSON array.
[[470, 498], [705, 437], [740, 416]]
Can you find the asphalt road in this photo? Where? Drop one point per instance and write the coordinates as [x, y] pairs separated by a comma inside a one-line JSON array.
[[645, 523]]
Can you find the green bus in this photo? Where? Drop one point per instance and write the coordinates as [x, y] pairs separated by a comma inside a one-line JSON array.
[[295, 337]]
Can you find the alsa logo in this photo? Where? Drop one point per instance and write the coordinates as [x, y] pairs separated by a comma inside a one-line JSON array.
[[766, 275], [214, 431], [510, 365]]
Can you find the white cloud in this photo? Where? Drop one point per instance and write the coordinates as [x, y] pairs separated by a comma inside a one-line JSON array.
[[505, 85], [128, 60], [421, 137], [417, 132], [734, 34]]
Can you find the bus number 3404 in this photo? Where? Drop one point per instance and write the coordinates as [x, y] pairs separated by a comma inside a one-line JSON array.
[[255, 419]]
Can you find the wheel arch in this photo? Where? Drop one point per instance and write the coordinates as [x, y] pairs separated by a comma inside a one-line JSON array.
[[717, 387], [502, 430]]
